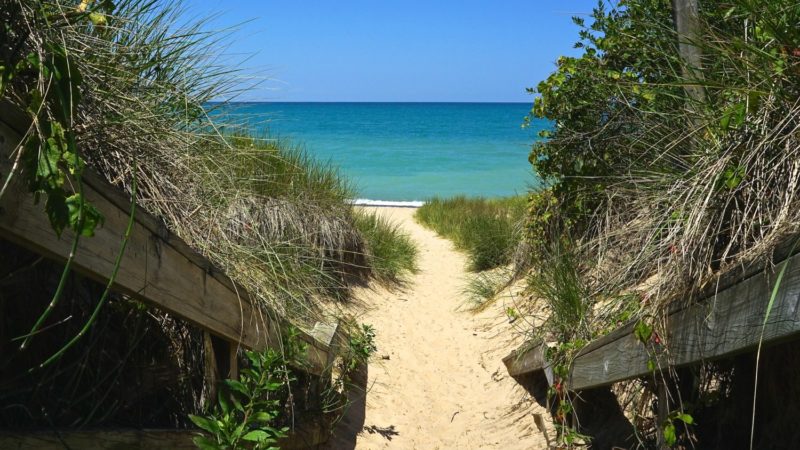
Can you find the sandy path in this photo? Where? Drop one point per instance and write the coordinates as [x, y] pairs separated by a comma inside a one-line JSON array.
[[443, 385]]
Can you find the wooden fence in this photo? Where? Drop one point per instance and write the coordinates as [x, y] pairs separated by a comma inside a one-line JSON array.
[[720, 326], [157, 268], [724, 324]]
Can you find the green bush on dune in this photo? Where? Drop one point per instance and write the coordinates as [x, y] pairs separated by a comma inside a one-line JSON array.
[[668, 173]]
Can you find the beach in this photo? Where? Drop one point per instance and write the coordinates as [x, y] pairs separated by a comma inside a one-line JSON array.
[[437, 379]]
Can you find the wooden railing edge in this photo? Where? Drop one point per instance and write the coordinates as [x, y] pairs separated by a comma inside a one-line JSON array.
[[719, 326], [12, 125], [304, 436]]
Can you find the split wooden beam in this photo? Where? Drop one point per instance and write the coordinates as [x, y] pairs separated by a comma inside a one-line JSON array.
[[530, 357], [686, 17], [529, 366]]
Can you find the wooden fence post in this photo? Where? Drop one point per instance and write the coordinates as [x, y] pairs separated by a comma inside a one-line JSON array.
[[233, 360], [685, 15], [663, 412], [209, 368]]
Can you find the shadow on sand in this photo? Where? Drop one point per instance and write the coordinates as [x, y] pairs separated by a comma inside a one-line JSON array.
[[351, 424]]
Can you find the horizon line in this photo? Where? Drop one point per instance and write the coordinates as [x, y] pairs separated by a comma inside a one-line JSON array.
[[368, 101]]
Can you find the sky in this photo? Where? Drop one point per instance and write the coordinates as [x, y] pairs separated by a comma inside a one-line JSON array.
[[394, 51]]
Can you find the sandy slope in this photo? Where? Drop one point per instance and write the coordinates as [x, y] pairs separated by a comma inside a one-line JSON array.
[[437, 380]]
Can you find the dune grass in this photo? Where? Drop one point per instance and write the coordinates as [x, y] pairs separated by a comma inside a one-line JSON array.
[[391, 253], [136, 108], [486, 229], [483, 287]]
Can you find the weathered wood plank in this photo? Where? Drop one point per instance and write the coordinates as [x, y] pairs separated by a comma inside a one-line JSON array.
[[98, 440], [686, 18], [526, 359], [332, 336], [718, 327], [156, 268], [305, 436]]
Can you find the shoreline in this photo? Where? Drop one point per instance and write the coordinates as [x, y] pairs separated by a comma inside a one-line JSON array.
[[387, 203]]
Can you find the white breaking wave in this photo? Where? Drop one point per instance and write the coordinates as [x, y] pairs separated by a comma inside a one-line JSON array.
[[400, 204]]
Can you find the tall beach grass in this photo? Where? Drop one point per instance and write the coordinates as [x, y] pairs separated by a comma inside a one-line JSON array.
[[488, 230], [392, 254]]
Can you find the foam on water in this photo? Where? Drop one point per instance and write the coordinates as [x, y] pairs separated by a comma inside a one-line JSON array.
[[398, 204]]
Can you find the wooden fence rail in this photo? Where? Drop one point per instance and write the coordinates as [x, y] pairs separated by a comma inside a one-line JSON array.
[[722, 325], [157, 268]]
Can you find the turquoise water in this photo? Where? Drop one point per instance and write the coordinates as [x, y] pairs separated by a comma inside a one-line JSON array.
[[410, 151]]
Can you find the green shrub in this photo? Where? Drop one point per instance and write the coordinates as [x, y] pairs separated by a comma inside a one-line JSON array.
[[246, 409], [482, 288], [361, 346]]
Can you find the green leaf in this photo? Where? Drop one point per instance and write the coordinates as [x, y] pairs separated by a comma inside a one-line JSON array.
[[685, 418], [732, 177], [237, 386], [733, 116], [98, 19], [204, 443], [263, 416], [239, 430], [643, 332], [669, 434], [223, 401], [47, 171], [237, 404], [725, 122], [277, 432], [205, 424], [74, 162], [57, 211], [91, 216], [256, 436], [32, 59]]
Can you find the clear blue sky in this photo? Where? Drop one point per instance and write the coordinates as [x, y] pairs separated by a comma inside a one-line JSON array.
[[383, 50]]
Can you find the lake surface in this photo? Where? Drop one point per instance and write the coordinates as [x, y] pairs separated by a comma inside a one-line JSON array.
[[410, 151]]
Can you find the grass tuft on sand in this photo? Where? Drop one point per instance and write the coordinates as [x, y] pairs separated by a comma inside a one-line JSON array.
[[486, 229], [391, 253]]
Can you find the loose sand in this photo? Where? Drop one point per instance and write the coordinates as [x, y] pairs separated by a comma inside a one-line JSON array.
[[437, 380]]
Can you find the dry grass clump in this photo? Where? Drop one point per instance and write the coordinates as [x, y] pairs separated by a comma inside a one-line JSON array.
[[126, 88], [146, 81]]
